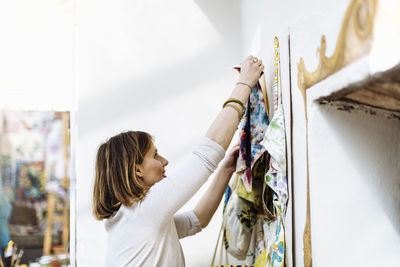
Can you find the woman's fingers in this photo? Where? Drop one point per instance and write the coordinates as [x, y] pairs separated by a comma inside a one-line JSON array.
[[235, 152], [231, 157], [251, 69]]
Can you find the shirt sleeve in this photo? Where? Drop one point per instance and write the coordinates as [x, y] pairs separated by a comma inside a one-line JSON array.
[[166, 197], [187, 224]]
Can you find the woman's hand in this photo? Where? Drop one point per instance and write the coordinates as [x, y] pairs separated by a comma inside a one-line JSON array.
[[229, 162], [250, 70], [225, 124]]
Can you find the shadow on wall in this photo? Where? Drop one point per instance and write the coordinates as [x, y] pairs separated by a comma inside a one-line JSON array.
[[226, 25], [380, 165], [144, 93]]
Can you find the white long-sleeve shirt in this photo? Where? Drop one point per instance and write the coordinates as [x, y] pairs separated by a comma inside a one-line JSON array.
[[147, 233]]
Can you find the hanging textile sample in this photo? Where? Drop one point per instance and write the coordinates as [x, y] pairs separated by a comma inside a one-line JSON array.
[[243, 198], [256, 198], [275, 193], [252, 130]]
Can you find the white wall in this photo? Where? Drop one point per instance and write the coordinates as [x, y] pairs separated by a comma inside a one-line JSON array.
[[355, 192], [160, 66]]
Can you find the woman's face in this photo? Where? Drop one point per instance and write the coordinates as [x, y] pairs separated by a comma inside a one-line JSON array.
[[152, 170]]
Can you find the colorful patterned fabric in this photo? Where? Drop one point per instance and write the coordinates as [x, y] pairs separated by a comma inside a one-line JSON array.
[[256, 201], [242, 210], [237, 234], [258, 173], [252, 130], [243, 198], [252, 207], [276, 191]]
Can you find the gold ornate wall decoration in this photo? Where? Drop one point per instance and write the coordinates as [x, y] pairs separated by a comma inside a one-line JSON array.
[[354, 41]]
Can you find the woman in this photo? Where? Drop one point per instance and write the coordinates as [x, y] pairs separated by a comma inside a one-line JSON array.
[[139, 202]]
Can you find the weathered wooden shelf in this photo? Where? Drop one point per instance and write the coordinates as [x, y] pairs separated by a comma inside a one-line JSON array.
[[381, 90]]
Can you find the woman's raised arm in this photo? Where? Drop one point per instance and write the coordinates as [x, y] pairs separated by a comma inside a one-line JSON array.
[[225, 124]]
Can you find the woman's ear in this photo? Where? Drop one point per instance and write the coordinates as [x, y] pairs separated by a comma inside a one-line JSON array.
[[139, 171]]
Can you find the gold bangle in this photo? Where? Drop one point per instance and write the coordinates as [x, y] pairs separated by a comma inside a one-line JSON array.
[[235, 101], [244, 84], [240, 113]]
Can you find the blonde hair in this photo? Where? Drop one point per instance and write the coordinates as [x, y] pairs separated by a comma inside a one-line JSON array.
[[116, 182]]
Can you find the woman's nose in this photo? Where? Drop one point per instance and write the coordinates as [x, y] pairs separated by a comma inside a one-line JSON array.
[[164, 161]]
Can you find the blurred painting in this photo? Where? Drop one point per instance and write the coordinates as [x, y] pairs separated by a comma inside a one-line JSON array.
[[34, 159], [30, 180]]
